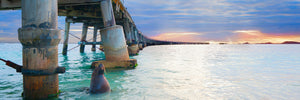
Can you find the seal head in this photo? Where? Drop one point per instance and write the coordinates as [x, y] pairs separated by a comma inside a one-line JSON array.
[[99, 83]]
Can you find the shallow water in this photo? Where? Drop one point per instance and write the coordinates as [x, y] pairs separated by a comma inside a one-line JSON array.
[[176, 72]]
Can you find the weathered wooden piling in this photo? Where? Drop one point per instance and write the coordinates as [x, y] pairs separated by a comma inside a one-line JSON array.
[[66, 37], [39, 37], [83, 37], [95, 37], [113, 39]]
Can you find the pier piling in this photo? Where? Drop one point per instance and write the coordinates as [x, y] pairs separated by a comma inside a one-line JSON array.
[[138, 36], [135, 34], [95, 37], [132, 45], [39, 37], [113, 39], [83, 37], [66, 37], [127, 31]]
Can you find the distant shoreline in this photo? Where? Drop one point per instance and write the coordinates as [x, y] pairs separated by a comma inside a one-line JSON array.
[[285, 42]]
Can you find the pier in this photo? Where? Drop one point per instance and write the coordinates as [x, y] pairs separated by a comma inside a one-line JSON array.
[[40, 36]]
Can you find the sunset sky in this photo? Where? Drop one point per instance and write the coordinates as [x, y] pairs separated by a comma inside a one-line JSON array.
[[234, 21]]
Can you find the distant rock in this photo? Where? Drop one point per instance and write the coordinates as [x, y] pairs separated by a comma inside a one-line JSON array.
[[266, 43], [246, 43], [290, 42]]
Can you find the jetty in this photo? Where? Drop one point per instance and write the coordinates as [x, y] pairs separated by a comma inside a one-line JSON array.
[[40, 36]]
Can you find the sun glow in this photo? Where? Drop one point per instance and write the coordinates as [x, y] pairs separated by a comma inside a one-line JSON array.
[[239, 36], [255, 36], [180, 37]]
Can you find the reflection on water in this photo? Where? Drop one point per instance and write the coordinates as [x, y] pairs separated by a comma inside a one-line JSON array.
[[177, 72]]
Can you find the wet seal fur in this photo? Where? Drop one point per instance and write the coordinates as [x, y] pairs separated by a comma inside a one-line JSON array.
[[99, 84]]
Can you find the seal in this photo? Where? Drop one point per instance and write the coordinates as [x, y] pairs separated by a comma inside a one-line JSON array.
[[99, 84]]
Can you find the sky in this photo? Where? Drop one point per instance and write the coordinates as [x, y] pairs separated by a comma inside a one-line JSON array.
[[232, 21]]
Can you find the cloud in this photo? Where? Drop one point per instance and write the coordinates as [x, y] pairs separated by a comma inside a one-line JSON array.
[[249, 32], [256, 36], [179, 37], [216, 20], [164, 16], [238, 36]]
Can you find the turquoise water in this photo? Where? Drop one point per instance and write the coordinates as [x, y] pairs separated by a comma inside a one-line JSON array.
[[252, 72]]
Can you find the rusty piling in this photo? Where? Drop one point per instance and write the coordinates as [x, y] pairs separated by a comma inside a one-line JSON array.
[[39, 37]]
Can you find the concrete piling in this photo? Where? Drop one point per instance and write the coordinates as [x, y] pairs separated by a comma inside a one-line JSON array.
[[113, 39], [83, 37], [140, 46], [144, 41], [114, 44], [107, 13], [132, 44], [39, 37], [133, 49], [136, 38], [127, 31], [136, 34]]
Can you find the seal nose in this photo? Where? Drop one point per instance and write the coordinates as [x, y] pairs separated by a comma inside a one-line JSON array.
[[101, 69]]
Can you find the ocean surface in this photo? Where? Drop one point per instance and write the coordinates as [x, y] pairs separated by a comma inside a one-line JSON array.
[[181, 72]]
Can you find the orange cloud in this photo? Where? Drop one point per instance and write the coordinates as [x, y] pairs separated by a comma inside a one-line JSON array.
[[240, 36], [255, 36], [179, 37]]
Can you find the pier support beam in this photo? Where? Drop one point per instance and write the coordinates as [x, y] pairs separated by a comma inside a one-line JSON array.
[[136, 38], [39, 37], [127, 31], [145, 41], [136, 34], [133, 48], [113, 39], [66, 38], [83, 36], [141, 47], [95, 37], [140, 41]]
